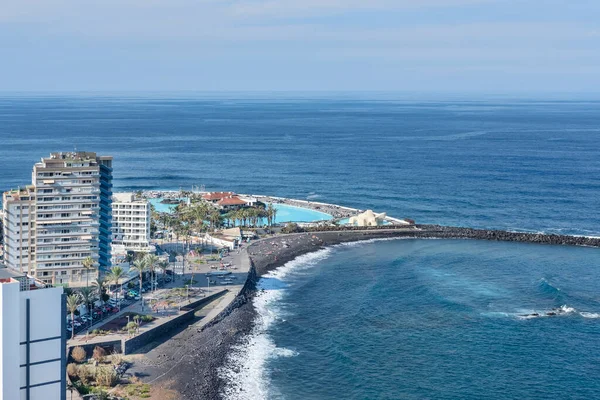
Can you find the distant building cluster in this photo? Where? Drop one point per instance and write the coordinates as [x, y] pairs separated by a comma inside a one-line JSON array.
[[69, 214], [62, 218]]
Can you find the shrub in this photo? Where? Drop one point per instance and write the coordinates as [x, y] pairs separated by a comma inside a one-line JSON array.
[[72, 370], [291, 228], [147, 318], [86, 375], [131, 327], [79, 354], [116, 358], [106, 376], [138, 389], [99, 354]]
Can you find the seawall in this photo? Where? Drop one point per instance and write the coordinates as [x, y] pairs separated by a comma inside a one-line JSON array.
[[268, 254]]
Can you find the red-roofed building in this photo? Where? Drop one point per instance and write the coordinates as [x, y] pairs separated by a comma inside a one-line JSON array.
[[216, 196], [231, 202]]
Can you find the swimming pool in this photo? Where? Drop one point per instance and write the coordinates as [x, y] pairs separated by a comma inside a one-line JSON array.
[[285, 213], [161, 207]]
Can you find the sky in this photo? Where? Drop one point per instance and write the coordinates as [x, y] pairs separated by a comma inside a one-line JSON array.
[[483, 46]]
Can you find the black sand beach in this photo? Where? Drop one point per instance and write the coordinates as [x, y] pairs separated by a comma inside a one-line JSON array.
[[189, 362]]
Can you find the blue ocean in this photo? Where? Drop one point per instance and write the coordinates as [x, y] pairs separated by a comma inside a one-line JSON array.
[[400, 319]]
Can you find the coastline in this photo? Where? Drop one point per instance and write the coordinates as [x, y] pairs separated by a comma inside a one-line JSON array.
[[190, 362]]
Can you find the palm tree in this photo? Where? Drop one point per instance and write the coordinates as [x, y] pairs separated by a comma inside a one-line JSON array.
[[163, 265], [273, 214], [197, 214], [151, 260], [215, 219], [140, 266], [243, 215], [100, 284], [88, 296], [88, 265], [73, 302], [230, 218], [270, 211], [116, 273]]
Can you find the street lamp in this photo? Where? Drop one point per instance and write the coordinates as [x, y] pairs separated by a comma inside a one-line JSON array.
[[187, 293], [208, 285]]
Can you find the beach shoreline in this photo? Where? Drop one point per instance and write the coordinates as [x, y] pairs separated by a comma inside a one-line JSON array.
[[190, 362], [206, 350]]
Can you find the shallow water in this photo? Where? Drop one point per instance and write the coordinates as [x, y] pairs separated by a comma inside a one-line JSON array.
[[415, 319]]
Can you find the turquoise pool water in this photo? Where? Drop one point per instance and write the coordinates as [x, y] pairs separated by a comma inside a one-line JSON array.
[[285, 213], [161, 207]]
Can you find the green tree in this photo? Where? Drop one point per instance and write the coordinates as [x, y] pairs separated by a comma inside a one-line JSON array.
[[73, 302], [100, 285], [215, 219], [163, 265], [116, 273], [152, 261], [88, 265], [88, 296], [140, 266], [271, 212]]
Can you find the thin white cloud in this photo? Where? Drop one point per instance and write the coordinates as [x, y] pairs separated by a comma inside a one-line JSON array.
[[303, 8]]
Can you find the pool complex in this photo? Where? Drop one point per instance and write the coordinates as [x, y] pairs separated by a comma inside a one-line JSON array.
[[161, 207], [285, 213]]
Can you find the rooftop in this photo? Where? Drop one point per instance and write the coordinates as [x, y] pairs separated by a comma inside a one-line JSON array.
[[26, 282], [126, 198], [232, 201], [24, 191], [217, 195], [6, 274]]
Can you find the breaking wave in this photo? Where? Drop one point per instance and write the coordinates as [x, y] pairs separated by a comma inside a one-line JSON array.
[[245, 370]]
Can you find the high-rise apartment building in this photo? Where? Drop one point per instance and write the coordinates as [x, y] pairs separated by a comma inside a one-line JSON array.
[[131, 224], [61, 219], [19, 245]]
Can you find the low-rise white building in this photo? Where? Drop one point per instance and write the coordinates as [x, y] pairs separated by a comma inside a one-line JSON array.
[[130, 224], [32, 339]]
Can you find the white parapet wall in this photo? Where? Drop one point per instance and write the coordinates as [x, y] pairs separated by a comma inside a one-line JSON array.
[[32, 340]]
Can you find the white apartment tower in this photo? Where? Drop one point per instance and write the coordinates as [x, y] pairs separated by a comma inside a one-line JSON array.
[[19, 245], [62, 218], [130, 224]]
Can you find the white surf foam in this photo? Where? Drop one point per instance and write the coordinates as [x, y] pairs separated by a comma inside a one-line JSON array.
[[245, 370], [589, 314], [555, 312]]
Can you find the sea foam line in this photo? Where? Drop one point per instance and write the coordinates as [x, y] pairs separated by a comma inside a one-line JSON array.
[[245, 371]]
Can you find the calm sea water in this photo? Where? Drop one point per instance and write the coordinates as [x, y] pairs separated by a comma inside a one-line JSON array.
[[529, 165], [398, 319]]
